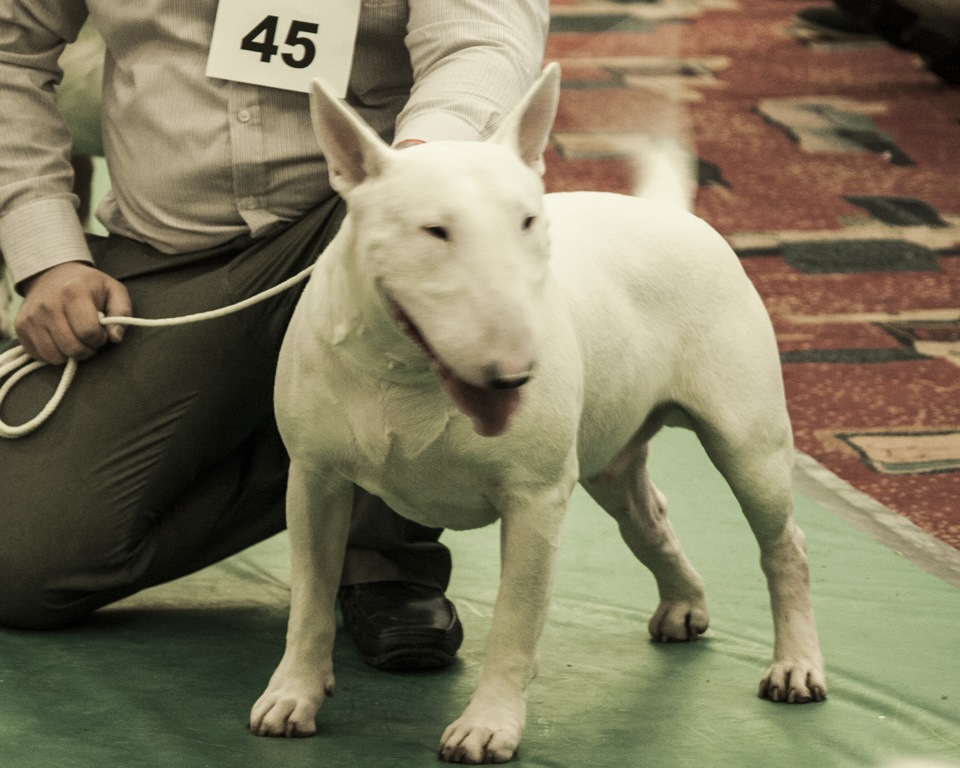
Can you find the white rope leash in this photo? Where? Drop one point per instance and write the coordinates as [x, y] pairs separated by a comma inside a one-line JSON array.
[[15, 363]]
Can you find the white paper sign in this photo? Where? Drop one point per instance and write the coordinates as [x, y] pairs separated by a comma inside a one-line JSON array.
[[284, 44]]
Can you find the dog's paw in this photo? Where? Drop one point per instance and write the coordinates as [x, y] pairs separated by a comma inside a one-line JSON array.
[[794, 682], [288, 710], [678, 621], [484, 734], [478, 744]]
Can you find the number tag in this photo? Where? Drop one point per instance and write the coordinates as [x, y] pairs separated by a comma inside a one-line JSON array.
[[284, 44]]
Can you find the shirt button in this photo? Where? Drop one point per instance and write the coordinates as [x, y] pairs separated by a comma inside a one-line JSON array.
[[243, 116], [248, 203]]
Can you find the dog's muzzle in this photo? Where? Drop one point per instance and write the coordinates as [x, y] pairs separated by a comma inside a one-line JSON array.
[[490, 406]]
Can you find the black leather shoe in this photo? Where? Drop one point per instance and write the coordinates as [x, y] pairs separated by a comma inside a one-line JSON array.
[[398, 625], [835, 24]]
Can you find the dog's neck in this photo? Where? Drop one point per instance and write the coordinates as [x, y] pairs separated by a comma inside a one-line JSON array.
[[354, 321], [368, 354]]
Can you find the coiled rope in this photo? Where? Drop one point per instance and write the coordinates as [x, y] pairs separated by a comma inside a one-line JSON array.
[[15, 363]]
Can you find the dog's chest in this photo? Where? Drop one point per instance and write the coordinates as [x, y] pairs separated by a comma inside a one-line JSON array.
[[438, 490], [388, 422], [410, 447], [440, 486]]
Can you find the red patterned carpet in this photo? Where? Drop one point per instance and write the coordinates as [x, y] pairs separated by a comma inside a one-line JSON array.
[[834, 171]]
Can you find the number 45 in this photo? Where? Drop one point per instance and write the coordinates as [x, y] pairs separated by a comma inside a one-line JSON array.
[[262, 39]]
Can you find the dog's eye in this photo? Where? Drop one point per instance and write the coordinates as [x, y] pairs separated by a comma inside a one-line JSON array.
[[438, 232], [529, 222]]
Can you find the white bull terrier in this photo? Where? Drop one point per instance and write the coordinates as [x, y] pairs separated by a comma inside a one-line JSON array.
[[469, 349]]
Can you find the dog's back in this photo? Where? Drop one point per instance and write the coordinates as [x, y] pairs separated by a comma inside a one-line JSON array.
[[658, 297]]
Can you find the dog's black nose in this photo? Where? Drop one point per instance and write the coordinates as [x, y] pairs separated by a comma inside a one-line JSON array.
[[497, 379], [509, 382]]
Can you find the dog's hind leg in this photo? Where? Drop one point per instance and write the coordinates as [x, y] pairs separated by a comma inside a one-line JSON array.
[[625, 491], [753, 449]]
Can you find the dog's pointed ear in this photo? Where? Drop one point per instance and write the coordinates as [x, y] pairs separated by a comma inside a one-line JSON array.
[[527, 127], [352, 149]]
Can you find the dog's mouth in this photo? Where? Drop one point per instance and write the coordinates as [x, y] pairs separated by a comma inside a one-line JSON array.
[[489, 408]]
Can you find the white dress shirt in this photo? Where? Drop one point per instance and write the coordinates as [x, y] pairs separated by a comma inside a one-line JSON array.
[[195, 161]]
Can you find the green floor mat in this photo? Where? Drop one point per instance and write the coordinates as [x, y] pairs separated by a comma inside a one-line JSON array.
[[167, 677]]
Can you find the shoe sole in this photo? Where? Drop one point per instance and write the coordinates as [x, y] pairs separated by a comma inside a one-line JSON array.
[[409, 660], [412, 652]]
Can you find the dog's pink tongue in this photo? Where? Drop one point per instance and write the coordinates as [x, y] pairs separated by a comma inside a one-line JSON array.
[[489, 409]]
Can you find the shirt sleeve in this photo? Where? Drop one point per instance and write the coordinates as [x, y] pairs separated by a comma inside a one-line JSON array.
[[472, 61], [39, 227]]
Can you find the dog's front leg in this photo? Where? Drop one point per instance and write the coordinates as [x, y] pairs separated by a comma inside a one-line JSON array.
[[490, 728], [318, 519]]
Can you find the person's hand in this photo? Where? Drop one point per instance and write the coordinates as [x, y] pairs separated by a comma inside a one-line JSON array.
[[58, 318]]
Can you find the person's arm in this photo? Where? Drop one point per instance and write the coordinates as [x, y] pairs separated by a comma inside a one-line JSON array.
[[39, 227], [472, 61], [41, 238]]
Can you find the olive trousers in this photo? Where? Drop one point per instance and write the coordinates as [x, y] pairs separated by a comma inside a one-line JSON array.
[[164, 456]]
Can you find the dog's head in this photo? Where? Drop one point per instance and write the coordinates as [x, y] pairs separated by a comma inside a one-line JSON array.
[[452, 236]]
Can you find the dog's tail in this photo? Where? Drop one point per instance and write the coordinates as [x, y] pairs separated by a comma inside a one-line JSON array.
[[668, 172]]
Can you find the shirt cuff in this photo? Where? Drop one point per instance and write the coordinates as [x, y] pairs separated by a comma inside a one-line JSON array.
[[40, 235], [436, 126]]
